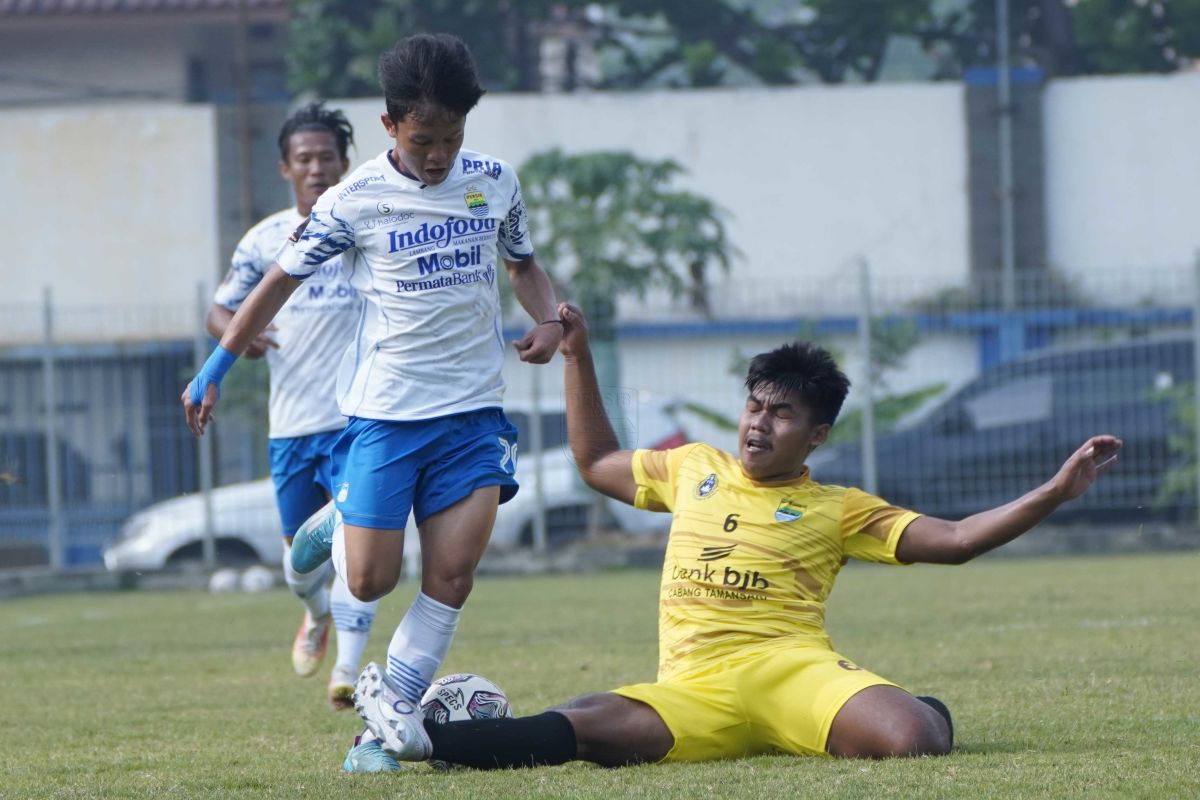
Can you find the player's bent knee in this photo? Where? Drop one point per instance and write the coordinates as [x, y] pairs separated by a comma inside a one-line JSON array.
[[364, 591], [369, 587], [614, 731], [919, 738], [453, 588], [896, 742], [887, 722]]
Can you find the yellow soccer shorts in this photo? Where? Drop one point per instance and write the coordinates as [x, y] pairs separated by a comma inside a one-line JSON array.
[[781, 700]]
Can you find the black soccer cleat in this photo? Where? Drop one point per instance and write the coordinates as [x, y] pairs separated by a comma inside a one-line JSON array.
[[940, 707]]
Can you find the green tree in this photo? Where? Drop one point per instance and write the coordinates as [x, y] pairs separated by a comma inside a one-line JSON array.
[[892, 338], [710, 42], [706, 41], [335, 44], [610, 225], [1079, 37], [698, 43], [246, 395], [1179, 482], [1118, 36]]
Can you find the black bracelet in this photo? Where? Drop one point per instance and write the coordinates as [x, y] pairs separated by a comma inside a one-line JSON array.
[[551, 321]]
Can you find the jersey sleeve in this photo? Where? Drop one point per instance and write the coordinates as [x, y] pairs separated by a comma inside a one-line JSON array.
[[246, 270], [656, 474], [513, 237], [319, 238], [871, 527]]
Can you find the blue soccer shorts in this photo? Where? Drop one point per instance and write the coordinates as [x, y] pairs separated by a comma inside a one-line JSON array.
[[382, 469], [301, 470]]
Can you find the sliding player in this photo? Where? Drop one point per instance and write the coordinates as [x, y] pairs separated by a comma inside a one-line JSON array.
[[745, 664]]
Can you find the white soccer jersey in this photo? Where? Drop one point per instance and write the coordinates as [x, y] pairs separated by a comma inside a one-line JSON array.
[[315, 326], [426, 260]]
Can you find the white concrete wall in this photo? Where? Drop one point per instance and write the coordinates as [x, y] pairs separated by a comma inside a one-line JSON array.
[[114, 206], [812, 177], [114, 209], [82, 59], [146, 60], [1123, 178]]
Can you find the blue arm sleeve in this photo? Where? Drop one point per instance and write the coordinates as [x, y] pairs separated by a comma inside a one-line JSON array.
[[212, 372]]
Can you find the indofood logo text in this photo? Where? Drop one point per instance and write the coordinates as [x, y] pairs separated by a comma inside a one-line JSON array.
[[441, 235]]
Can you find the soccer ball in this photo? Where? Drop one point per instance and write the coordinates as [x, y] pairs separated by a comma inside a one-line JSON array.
[[257, 579], [463, 696], [223, 580]]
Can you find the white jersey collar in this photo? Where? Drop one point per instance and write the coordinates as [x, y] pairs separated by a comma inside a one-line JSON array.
[[412, 182]]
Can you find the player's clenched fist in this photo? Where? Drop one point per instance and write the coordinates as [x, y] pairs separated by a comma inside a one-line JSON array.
[[204, 390], [538, 346], [574, 342]]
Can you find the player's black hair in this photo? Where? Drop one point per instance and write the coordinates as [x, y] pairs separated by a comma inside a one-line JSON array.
[[316, 117], [429, 69], [808, 370]]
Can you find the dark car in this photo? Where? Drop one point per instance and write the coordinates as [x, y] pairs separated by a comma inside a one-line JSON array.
[[1010, 429]]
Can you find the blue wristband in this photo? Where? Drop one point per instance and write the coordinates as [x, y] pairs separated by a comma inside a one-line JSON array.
[[211, 373]]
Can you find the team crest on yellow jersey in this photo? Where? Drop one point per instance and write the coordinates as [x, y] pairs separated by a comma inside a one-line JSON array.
[[707, 487], [787, 512]]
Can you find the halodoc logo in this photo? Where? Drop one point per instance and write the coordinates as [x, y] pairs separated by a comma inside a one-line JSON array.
[[440, 235]]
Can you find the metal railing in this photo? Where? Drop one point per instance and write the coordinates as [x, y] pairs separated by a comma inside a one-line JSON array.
[[957, 403]]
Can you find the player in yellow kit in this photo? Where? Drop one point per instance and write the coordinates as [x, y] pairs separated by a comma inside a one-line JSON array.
[[745, 665]]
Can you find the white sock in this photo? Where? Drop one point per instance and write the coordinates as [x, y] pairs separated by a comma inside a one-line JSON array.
[[337, 556], [310, 588], [352, 618], [420, 645]]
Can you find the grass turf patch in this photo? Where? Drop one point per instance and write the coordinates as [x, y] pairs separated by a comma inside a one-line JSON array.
[[1067, 677]]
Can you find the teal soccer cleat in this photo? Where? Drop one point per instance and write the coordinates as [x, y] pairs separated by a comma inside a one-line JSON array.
[[313, 542], [367, 756]]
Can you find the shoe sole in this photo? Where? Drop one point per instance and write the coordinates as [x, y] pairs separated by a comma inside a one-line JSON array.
[[368, 701], [341, 697], [305, 665]]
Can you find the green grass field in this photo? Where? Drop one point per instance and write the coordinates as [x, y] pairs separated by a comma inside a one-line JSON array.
[[1068, 677]]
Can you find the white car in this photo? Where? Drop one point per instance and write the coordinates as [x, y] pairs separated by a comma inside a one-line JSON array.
[[247, 529]]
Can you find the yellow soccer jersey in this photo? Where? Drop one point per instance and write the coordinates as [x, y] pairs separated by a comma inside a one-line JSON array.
[[748, 562]]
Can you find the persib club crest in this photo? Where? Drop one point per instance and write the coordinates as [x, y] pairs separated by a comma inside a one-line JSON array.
[[707, 486], [787, 512], [477, 202]]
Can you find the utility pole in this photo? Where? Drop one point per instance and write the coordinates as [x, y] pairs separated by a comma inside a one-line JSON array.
[[1008, 265]]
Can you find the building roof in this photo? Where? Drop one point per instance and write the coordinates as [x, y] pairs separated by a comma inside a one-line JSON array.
[[63, 8]]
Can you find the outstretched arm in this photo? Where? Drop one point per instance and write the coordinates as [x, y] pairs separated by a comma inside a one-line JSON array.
[[938, 541], [201, 394], [218, 320], [531, 287], [602, 463]]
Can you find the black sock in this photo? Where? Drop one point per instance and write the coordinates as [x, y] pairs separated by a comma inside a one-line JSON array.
[[940, 707], [542, 740]]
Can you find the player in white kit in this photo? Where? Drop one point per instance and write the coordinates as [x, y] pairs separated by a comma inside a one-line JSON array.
[[310, 332], [423, 231]]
